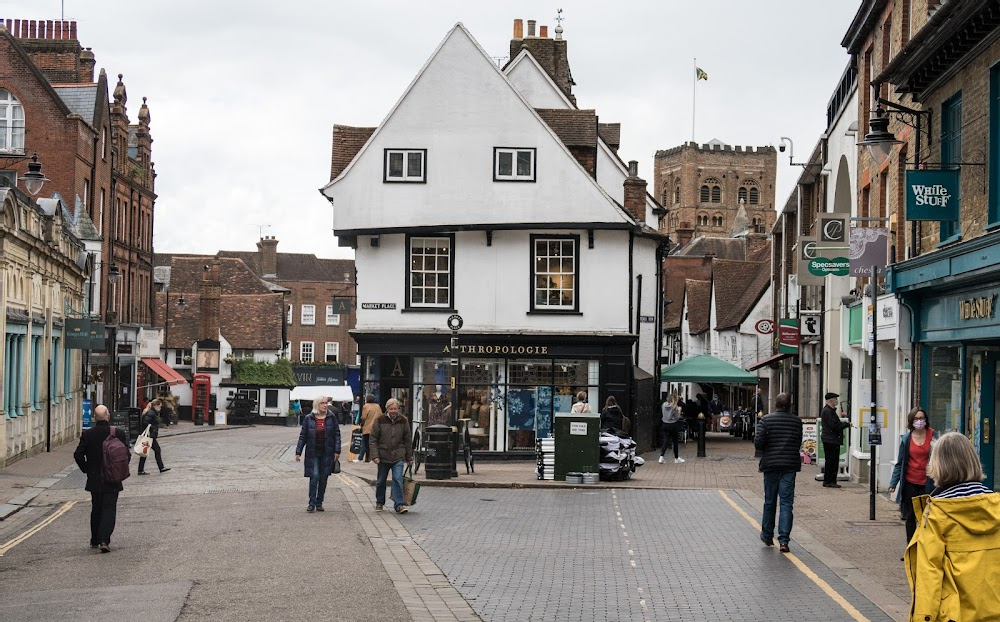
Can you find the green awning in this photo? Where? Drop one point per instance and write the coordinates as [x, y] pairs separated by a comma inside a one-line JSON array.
[[706, 368]]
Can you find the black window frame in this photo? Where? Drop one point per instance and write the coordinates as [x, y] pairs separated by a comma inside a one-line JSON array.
[[533, 309], [404, 150], [515, 178], [450, 307]]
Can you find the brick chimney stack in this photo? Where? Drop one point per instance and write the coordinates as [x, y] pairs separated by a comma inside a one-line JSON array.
[[550, 53], [685, 233], [211, 302], [635, 193], [268, 248], [87, 64]]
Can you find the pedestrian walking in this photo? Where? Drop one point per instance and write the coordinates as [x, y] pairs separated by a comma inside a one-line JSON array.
[[151, 417], [369, 414], [909, 477], [779, 439], [671, 423], [391, 450], [832, 438], [954, 556], [581, 405], [320, 437], [612, 417], [89, 456]]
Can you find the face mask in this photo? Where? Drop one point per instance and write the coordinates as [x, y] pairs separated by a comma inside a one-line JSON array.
[[919, 424]]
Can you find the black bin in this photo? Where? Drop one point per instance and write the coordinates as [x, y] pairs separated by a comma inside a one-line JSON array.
[[437, 445]]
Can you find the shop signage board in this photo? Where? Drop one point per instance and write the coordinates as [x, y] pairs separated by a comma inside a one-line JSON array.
[[834, 237], [788, 336], [88, 414], [647, 319], [341, 305], [811, 326], [933, 195], [77, 333], [98, 337], [764, 327], [378, 306], [869, 247], [807, 254]]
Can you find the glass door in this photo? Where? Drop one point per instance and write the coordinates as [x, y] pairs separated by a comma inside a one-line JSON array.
[[981, 406]]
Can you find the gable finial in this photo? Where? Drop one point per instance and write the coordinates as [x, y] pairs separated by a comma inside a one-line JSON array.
[[559, 19]]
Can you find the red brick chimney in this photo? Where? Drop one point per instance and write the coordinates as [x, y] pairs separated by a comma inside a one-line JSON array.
[[635, 193], [268, 248], [685, 233], [211, 302]]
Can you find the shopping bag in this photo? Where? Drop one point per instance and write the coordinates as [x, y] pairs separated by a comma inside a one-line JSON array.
[[143, 444], [356, 440], [336, 466], [411, 487]]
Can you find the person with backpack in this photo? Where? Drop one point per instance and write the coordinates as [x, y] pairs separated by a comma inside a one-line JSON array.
[[151, 417], [104, 456]]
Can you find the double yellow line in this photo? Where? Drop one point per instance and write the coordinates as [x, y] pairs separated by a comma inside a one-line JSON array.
[[40, 526], [823, 585]]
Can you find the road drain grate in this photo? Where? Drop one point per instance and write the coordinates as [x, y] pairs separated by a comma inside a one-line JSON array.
[[222, 490]]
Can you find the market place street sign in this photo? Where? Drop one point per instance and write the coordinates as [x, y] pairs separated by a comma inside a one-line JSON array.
[[932, 195]]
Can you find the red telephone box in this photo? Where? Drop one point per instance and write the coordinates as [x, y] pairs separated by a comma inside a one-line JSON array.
[[201, 388]]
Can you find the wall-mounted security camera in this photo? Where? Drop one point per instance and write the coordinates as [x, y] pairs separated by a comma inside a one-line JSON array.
[[781, 148]]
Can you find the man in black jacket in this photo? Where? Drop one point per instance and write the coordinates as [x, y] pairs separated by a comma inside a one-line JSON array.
[[779, 438], [89, 455], [832, 438]]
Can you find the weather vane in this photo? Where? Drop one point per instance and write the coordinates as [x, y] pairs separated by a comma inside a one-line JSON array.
[[559, 20], [260, 230]]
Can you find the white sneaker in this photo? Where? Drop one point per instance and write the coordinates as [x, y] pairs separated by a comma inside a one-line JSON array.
[[355, 460], [678, 460], [662, 460]]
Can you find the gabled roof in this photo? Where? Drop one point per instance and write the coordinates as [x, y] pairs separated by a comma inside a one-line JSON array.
[[299, 266], [79, 224], [250, 322], [697, 296], [524, 56], [738, 287], [234, 275], [347, 142], [677, 270], [81, 99]]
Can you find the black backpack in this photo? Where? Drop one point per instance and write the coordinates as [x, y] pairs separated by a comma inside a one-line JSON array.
[[115, 458]]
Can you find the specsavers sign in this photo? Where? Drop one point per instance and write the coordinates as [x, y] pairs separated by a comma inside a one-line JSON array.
[[932, 195]]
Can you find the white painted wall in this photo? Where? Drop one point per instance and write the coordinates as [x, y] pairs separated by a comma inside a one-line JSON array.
[[534, 83]]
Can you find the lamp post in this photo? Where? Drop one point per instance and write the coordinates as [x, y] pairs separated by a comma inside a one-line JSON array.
[[33, 179], [113, 276], [166, 323]]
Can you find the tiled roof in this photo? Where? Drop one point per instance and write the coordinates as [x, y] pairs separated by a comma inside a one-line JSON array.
[[698, 303], [763, 253], [723, 248], [248, 321], [81, 99], [611, 133], [575, 128], [676, 271], [79, 224], [347, 142], [299, 266], [234, 275], [738, 287]]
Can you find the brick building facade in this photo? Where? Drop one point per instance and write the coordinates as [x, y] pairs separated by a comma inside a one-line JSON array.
[[703, 187]]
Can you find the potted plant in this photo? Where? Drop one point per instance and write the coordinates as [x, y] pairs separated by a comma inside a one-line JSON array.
[[229, 358], [187, 359]]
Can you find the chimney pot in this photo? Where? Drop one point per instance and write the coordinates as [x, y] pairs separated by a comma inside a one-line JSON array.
[[633, 168], [543, 32], [531, 27], [518, 29]]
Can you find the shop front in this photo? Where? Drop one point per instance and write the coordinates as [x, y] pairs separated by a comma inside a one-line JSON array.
[[953, 295], [504, 389]]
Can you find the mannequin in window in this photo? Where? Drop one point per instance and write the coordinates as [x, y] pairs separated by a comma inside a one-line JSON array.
[[439, 407]]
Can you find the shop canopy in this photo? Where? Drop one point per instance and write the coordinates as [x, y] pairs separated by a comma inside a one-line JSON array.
[[336, 392], [706, 368], [164, 371]]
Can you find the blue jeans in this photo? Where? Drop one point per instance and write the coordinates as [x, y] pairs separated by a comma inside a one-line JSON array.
[[397, 482], [317, 483], [778, 485], [363, 454]]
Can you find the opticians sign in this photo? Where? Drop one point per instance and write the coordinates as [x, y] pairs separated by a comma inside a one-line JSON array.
[[932, 195]]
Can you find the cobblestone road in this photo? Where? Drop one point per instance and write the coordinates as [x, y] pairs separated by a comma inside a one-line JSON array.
[[621, 555]]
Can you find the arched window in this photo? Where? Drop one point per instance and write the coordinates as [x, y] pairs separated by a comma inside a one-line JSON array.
[[741, 195], [11, 123], [704, 194], [664, 203], [750, 192], [703, 220], [754, 196], [673, 220], [717, 220], [716, 194], [758, 225], [711, 191], [677, 193]]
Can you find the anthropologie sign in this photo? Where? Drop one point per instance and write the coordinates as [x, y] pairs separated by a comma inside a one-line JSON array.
[[932, 195]]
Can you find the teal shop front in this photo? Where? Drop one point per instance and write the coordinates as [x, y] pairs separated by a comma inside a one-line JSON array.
[[953, 296]]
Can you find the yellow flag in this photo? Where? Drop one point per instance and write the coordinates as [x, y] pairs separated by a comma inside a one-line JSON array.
[[700, 74]]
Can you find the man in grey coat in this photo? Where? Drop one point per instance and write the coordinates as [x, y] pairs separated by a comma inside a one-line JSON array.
[[779, 438], [390, 449]]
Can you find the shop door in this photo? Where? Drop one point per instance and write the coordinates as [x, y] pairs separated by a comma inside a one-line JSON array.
[[982, 404]]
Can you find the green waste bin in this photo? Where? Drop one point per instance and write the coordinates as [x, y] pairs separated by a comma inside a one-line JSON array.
[[577, 444]]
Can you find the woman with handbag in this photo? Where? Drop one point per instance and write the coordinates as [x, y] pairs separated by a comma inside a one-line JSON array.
[[151, 420], [909, 476], [320, 437]]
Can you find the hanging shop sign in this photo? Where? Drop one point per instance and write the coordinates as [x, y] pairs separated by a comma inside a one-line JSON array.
[[77, 332], [341, 305], [834, 237], [98, 336], [764, 327], [807, 254], [788, 336], [810, 326], [932, 195], [869, 247]]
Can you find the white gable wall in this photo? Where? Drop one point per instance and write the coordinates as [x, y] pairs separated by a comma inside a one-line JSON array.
[[534, 84], [459, 109]]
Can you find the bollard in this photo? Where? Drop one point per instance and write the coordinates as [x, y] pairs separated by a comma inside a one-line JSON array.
[[454, 451], [701, 435]]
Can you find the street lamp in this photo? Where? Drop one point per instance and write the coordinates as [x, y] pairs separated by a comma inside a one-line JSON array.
[[879, 140], [113, 274], [34, 179]]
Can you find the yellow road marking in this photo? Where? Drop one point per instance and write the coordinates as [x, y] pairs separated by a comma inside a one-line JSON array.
[[348, 481], [823, 585], [40, 526]]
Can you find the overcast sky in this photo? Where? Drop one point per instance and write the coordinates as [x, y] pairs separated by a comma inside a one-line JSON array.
[[243, 95]]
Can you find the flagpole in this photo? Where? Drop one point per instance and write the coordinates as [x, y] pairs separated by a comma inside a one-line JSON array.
[[694, 94]]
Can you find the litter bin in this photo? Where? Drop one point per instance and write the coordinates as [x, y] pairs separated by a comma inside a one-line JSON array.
[[578, 444], [437, 447]]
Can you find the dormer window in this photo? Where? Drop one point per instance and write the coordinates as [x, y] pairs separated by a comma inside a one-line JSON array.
[[513, 164], [405, 165], [11, 123]]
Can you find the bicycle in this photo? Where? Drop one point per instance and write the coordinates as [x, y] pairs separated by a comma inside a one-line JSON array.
[[419, 452]]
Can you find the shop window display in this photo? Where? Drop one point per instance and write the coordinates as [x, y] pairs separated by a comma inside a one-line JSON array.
[[944, 388]]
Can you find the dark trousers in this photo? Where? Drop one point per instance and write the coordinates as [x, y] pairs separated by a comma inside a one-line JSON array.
[[832, 453], [103, 512], [155, 448], [363, 455], [671, 432], [906, 506]]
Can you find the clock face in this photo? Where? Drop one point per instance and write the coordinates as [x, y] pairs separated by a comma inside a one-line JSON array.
[[455, 322]]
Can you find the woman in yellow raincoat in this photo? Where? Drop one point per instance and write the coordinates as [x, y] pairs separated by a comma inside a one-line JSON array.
[[953, 561]]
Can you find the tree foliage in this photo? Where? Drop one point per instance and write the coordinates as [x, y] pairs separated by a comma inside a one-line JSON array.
[[277, 374]]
